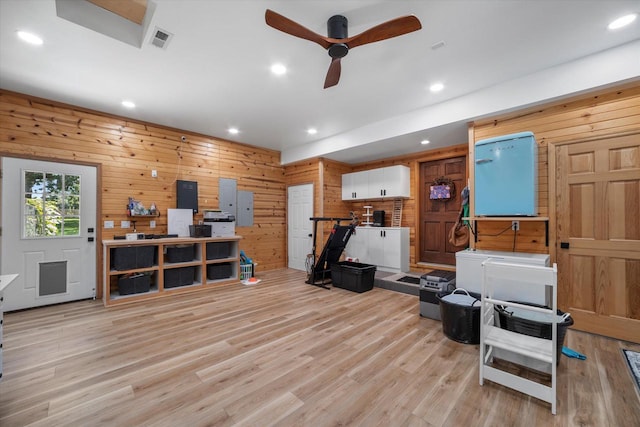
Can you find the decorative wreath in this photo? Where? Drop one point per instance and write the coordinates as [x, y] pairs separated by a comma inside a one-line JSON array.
[[442, 189]]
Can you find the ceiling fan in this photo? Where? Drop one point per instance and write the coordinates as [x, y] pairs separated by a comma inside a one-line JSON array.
[[338, 42]]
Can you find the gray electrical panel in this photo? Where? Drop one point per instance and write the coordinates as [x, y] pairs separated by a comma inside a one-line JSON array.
[[228, 189], [245, 209]]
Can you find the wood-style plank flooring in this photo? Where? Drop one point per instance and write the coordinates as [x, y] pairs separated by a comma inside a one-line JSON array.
[[281, 353]]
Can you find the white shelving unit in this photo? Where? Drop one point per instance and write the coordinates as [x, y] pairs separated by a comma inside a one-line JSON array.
[[493, 339], [367, 215]]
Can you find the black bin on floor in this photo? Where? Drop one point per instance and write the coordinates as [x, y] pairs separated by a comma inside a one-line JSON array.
[[460, 314], [353, 276]]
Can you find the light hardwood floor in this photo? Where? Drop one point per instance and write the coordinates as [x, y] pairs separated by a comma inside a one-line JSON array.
[[281, 353]]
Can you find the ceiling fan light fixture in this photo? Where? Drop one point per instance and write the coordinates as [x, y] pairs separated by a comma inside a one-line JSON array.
[[30, 38], [278, 69], [623, 21], [436, 87]]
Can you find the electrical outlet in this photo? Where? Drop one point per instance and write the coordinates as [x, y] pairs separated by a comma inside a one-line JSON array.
[[108, 224], [154, 173], [515, 225], [152, 224], [124, 224]]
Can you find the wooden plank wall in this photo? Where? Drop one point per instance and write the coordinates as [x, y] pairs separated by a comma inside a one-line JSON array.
[[326, 177], [127, 150], [614, 111], [331, 182]]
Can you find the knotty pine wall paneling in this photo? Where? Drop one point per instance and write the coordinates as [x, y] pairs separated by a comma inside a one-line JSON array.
[[326, 177], [581, 118], [410, 207], [128, 150]]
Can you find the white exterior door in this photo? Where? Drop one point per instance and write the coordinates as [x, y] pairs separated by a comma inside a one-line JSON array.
[[48, 232], [299, 226]]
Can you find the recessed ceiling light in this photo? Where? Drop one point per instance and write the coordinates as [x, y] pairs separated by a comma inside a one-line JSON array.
[[436, 87], [128, 104], [233, 131], [278, 69], [425, 142], [30, 38], [623, 21], [312, 131]]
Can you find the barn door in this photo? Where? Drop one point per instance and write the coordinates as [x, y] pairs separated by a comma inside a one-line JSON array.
[[438, 216], [598, 235]]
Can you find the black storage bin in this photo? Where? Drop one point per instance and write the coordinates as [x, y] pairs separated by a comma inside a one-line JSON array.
[[180, 253], [353, 276], [130, 257], [219, 271], [217, 250], [531, 327], [460, 322], [134, 284], [183, 276]]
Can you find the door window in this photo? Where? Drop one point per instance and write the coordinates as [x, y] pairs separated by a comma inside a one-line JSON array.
[[51, 204]]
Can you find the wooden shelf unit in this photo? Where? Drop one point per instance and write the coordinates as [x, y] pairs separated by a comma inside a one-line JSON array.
[[161, 264]]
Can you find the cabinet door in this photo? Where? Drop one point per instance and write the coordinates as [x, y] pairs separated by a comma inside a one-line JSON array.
[[395, 181], [355, 186], [347, 186], [376, 184], [358, 246], [377, 243], [361, 185], [392, 247]]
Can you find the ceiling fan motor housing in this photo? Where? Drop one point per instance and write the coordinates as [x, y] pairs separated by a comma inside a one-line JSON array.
[[337, 29]]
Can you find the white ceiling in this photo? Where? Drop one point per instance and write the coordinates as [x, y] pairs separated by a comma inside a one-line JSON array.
[[498, 56]]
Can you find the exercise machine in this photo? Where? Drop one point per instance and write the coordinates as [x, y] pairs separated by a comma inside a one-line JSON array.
[[319, 271]]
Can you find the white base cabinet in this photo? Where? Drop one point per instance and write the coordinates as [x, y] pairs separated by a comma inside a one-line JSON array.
[[385, 247], [381, 183]]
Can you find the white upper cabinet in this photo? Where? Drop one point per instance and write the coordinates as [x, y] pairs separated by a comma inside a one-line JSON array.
[[355, 186], [388, 182]]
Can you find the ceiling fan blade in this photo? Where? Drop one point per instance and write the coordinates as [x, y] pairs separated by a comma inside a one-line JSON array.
[[333, 75], [386, 30], [288, 26]]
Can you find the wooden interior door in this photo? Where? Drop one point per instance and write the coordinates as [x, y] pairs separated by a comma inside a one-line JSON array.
[[598, 235], [438, 216]]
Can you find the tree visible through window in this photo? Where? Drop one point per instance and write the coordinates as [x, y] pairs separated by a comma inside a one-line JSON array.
[[51, 204]]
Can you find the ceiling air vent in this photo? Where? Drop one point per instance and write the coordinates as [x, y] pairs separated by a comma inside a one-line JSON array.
[[161, 38]]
